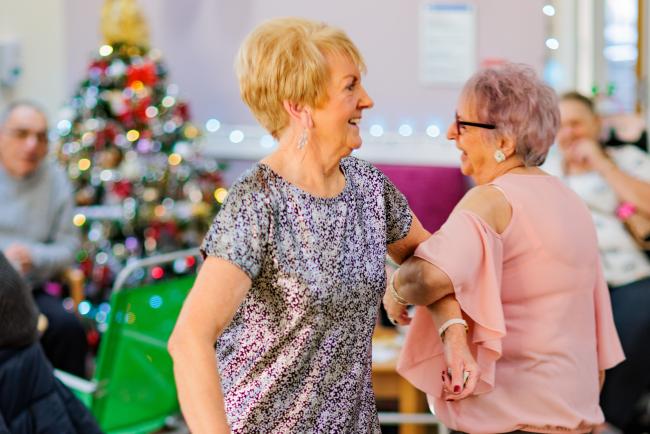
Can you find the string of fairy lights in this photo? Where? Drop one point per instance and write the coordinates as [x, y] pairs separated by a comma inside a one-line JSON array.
[[125, 127]]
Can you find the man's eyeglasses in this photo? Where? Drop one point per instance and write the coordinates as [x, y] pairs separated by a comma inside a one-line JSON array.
[[471, 124]]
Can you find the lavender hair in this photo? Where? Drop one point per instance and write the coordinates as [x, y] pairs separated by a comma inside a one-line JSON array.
[[513, 98]]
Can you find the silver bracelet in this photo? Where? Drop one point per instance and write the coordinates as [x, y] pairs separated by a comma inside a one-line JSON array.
[[393, 292]]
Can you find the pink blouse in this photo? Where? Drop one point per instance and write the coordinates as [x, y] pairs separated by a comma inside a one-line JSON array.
[[540, 317]]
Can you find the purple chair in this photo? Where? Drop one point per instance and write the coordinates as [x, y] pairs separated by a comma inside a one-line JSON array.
[[432, 192]]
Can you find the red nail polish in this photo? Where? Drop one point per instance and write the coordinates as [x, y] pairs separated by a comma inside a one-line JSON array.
[[456, 389]]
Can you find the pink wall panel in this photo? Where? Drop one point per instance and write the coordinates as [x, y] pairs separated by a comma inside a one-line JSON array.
[[432, 192]]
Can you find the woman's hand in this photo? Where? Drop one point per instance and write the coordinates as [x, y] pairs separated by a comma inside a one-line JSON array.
[[218, 291], [397, 313], [588, 153], [463, 372], [19, 256]]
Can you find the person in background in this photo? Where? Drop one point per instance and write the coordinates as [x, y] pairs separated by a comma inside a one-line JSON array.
[[31, 398], [612, 182], [534, 332], [294, 270], [36, 231]]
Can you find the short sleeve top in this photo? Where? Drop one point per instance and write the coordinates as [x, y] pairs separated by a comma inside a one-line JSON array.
[[297, 354]]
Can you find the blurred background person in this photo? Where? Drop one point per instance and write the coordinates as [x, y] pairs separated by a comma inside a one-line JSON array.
[[613, 182], [36, 231], [31, 398]]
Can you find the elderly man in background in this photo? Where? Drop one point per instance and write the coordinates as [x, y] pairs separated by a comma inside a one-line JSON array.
[[36, 231]]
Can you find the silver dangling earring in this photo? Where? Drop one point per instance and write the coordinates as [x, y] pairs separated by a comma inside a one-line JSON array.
[[499, 156], [302, 141]]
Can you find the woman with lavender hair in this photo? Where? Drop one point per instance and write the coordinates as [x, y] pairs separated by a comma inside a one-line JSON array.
[[533, 331]]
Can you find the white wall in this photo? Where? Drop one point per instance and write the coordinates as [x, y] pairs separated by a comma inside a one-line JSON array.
[[199, 39], [39, 28]]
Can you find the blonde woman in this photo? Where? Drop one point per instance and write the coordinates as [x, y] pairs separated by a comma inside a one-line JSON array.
[[294, 270]]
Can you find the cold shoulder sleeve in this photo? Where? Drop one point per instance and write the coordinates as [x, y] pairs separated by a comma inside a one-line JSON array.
[[240, 231], [471, 254]]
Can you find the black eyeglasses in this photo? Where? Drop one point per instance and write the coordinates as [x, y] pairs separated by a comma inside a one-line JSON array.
[[471, 124]]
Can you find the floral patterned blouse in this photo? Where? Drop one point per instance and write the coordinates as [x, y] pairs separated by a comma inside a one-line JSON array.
[[296, 357]]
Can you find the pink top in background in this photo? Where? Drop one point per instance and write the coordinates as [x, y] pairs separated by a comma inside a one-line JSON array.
[[539, 311]]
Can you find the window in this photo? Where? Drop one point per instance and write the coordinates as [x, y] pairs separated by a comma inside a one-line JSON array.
[[620, 52]]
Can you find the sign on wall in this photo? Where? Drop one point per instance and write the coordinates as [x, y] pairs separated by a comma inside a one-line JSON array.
[[447, 48]]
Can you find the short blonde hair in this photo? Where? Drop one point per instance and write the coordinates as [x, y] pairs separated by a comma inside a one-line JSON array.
[[284, 60]]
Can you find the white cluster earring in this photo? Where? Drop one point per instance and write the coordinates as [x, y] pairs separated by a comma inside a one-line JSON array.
[[302, 141], [499, 156]]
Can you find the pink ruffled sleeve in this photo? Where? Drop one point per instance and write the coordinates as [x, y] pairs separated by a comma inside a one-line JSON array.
[[471, 254], [610, 352]]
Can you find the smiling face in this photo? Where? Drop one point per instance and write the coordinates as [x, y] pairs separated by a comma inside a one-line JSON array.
[[477, 156], [23, 141], [336, 122], [577, 122]]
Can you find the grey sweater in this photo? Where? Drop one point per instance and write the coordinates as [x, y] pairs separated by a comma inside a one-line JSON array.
[[37, 211]]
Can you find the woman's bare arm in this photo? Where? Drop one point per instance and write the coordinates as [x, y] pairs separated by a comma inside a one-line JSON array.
[[400, 250], [219, 289]]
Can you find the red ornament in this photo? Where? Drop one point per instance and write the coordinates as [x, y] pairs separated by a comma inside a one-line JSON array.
[[122, 189], [86, 267], [102, 276], [92, 337], [111, 132], [100, 140], [140, 110], [157, 273], [171, 227], [105, 137], [183, 110], [127, 119], [100, 65], [152, 231], [145, 73]]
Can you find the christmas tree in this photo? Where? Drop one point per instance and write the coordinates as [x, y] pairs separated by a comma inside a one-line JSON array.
[[130, 149]]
